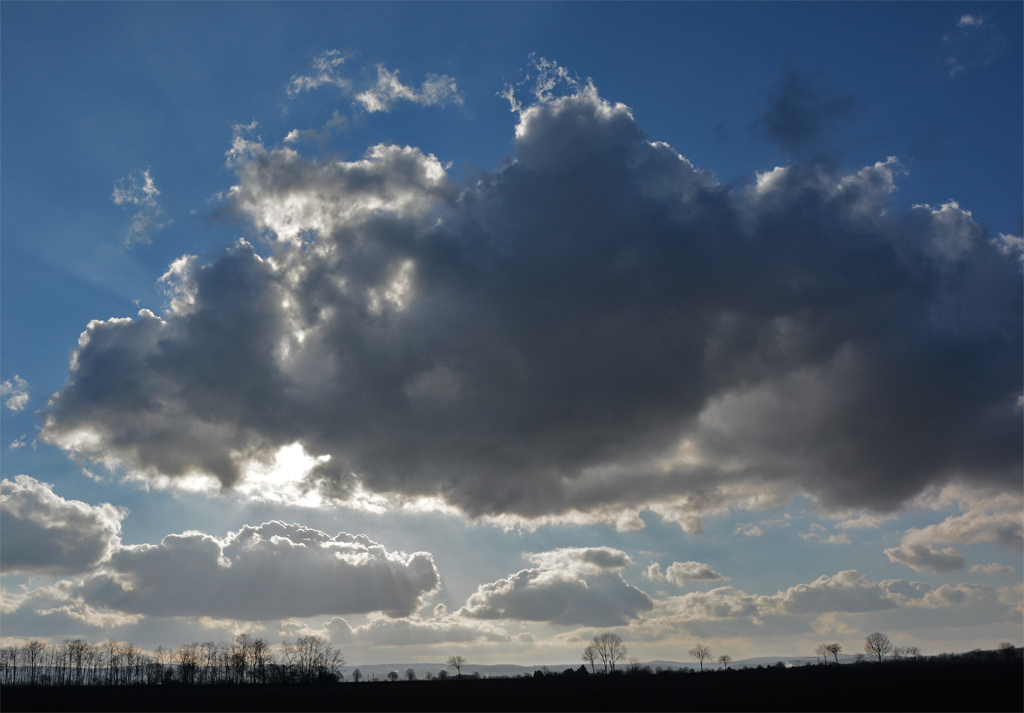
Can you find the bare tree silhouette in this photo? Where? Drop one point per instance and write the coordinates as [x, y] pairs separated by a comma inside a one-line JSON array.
[[834, 649], [356, 675], [724, 659], [392, 675], [821, 650], [457, 662], [33, 654], [590, 654], [878, 645], [702, 653], [610, 649], [410, 674]]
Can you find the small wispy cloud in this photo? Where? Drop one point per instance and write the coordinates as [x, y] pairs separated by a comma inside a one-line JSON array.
[[993, 568], [326, 66], [139, 190], [817, 534], [437, 89], [336, 124], [976, 42], [16, 392]]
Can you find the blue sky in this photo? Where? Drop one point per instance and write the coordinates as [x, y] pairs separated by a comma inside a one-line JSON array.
[[733, 289]]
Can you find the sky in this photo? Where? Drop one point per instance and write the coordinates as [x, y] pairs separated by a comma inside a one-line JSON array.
[[483, 329]]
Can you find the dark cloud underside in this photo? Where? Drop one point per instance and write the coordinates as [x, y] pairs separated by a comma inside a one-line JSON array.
[[591, 326]]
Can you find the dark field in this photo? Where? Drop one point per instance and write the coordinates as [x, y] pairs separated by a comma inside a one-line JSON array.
[[989, 686]]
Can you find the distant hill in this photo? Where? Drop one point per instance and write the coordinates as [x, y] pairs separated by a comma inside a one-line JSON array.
[[487, 670]]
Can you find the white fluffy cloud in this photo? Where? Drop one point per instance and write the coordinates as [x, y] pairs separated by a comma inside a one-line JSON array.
[[270, 571], [44, 533], [593, 328], [15, 393], [1005, 528], [569, 586]]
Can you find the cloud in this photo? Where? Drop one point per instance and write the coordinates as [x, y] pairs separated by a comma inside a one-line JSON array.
[[848, 591], [798, 113], [336, 124], [816, 534], [570, 586], [680, 573], [999, 520], [592, 329], [435, 90], [749, 530], [925, 558], [57, 610], [976, 42], [269, 571], [416, 631], [16, 392], [993, 568], [139, 190], [326, 73], [44, 533], [976, 526], [726, 612]]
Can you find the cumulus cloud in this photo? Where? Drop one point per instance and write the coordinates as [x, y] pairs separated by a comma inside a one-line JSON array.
[[681, 573], [269, 571], [1005, 527], [999, 520], [435, 90], [138, 190], [848, 591], [44, 533], [925, 558], [15, 393], [593, 328], [569, 586]]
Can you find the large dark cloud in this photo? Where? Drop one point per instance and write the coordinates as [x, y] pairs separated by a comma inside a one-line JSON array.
[[594, 325]]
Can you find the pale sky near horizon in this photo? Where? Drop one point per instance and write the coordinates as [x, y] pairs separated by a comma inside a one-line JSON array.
[[483, 328]]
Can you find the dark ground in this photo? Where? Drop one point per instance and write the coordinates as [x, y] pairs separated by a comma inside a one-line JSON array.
[[980, 686]]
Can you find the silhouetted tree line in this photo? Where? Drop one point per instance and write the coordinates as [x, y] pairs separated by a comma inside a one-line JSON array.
[[312, 660], [243, 660]]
